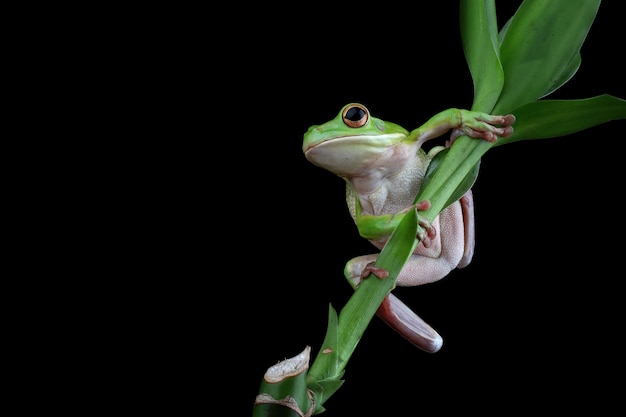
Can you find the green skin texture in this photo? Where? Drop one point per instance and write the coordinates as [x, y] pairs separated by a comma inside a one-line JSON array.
[[383, 165]]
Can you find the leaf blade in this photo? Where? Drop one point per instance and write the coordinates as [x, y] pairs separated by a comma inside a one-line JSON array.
[[479, 36], [553, 118], [539, 47]]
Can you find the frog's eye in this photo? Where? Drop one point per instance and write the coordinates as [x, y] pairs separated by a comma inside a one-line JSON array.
[[355, 115]]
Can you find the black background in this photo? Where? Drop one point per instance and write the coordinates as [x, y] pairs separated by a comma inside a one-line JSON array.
[[535, 321]]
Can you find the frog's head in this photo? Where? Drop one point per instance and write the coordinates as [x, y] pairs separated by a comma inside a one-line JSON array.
[[351, 142]]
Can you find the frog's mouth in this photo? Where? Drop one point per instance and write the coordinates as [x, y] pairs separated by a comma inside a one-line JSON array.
[[351, 155], [373, 141]]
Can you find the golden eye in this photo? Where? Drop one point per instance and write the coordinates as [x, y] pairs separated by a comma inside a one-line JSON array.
[[355, 115]]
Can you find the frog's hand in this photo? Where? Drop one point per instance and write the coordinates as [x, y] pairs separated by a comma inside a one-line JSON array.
[[482, 126], [464, 122], [408, 324]]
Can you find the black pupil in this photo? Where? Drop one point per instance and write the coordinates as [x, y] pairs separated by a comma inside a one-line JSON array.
[[355, 114]]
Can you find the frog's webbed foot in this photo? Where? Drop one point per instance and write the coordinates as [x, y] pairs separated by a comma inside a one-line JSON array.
[[371, 268], [426, 232], [482, 126]]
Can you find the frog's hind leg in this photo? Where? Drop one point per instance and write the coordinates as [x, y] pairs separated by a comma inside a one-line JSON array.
[[408, 324], [394, 312]]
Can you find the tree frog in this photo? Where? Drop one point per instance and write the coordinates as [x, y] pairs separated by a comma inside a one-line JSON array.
[[383, 166]]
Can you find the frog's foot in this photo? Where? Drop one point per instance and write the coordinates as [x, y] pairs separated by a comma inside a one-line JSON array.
[[482, 126], [371, 268], [361, 267], [426, 232], [408, 324], [355, 267]]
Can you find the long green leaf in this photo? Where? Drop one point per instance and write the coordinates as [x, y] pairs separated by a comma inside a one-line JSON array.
[[541, 42], [454, 175], [324, 377], [553, 118], [461, 189], [567, 74], [326, 362], [479, 35], [361, 307]]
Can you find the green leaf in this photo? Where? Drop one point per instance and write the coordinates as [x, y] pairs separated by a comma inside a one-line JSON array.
[[540, 47], [324, 377], [479, 35], [463, 186], [567, 74], [346, 331], [361, 307], [400, 246], [323, 390], [553, 118], [326, 361], [452, 174], [502, 32]]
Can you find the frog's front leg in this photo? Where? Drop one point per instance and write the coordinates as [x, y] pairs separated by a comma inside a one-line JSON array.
[[483, 126], [464, 122]]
